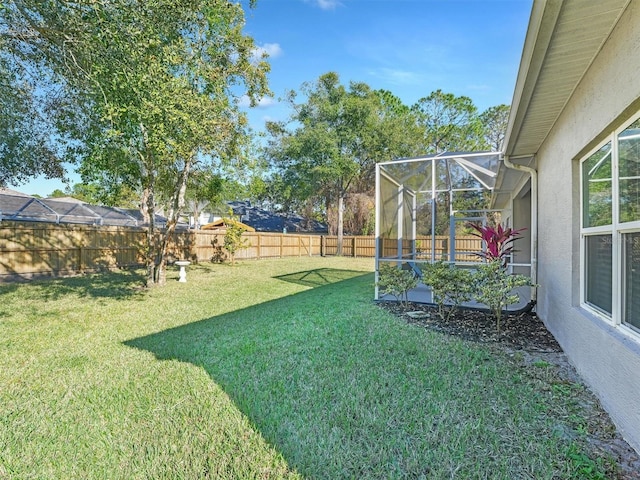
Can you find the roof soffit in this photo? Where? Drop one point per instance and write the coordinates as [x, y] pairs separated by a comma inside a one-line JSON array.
[[563, 39]]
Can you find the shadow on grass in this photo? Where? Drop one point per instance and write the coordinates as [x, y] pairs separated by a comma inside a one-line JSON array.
[[120, 285], [286, 364], [319, 277]]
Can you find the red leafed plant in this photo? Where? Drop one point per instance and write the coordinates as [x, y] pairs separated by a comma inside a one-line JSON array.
[[498, 240]]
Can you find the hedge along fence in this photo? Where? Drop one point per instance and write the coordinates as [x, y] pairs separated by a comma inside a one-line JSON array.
[[32, 249]]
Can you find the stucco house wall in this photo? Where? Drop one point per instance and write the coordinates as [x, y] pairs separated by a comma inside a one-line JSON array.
[[607, 357]]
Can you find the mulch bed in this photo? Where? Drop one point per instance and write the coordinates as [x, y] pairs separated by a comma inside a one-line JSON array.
[[524, 331]]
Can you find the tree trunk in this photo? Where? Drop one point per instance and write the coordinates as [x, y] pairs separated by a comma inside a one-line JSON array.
[[340, 223], [177, 204], [143, 205], [148, 206], [151, 232]]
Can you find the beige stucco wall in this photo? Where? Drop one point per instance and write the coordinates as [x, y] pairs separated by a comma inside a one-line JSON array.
[[606, 357], [522, 220]]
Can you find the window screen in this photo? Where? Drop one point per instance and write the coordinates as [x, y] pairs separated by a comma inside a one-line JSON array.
[[629, 173], [597, 188], [632, 279], [599, 271]]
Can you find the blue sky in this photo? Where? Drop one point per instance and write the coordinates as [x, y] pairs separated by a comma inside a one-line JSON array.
[[409, 47]]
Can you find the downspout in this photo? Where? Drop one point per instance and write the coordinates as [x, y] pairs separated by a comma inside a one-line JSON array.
[[534, 220]]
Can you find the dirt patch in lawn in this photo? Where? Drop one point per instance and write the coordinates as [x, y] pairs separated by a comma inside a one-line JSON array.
[[525, 338]]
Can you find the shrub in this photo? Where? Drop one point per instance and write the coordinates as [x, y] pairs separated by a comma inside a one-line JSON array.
[[233, 241], [397, 282], [450, 286], [493, 286]]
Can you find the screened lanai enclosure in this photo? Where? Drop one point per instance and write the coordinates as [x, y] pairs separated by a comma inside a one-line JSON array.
[[423, 206]]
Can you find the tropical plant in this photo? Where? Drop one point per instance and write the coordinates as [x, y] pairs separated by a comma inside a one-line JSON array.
[[395, 281], [450, 286], [494, 287], [498, 241]]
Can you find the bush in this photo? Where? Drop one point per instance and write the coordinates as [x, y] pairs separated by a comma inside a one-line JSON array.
[[450, 286], [233, 240], [396, 281], [493, 286]]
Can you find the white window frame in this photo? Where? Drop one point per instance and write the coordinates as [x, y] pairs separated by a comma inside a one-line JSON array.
[[617, 231]]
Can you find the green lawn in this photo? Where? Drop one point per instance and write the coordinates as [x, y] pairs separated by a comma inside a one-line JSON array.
[[269, 369]]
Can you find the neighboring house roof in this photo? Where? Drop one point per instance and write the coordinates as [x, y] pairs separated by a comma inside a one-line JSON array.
[[8, 191], [223, 223], [19, 206], [563, 38], [265, 221]]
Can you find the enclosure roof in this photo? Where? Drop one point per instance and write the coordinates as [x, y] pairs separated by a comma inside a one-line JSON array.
[[443, 172], [21, 207]]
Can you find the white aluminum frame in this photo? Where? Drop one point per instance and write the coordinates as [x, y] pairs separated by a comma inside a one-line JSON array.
[[617, 231]]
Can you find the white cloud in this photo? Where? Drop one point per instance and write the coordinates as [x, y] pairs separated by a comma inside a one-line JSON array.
[[272, 50], [398, 77], [325, 4], [263, 102], [479, 88]]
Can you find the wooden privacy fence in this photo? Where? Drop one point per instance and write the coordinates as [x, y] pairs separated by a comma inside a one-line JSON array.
[[208, 245], [466, 248], [29, 249]]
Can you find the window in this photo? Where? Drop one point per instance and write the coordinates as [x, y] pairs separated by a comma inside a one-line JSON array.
[[611, 227]]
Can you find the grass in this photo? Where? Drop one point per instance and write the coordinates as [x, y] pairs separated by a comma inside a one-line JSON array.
[[270, 369]]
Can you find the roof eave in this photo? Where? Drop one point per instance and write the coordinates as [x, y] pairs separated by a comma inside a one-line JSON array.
[[542, 22]]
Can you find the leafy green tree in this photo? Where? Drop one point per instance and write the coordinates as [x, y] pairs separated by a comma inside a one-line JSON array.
[[332, 141], [149, 90], [57, 193], [449, 123], [94, 193], [494, 121], [204, 190], [26, 148]]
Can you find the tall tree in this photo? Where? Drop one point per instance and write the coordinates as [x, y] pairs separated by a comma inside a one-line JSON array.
[[153, 85], [26, 149], [336, 135], [449, 123], [494, 121]]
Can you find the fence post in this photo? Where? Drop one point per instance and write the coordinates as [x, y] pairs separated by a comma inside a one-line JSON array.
[[281, 245], [354, 246], [322, 245], [259, 249]]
